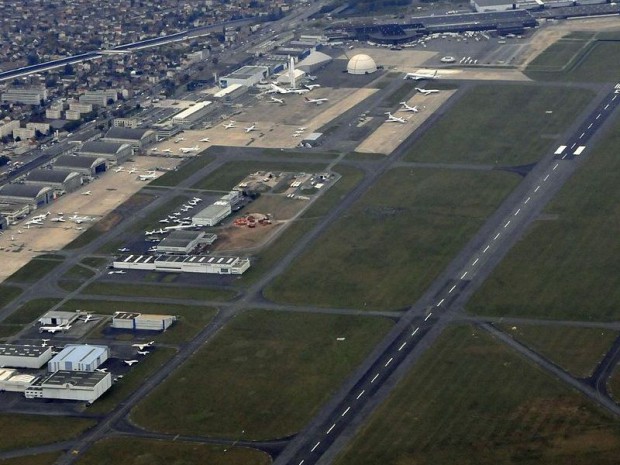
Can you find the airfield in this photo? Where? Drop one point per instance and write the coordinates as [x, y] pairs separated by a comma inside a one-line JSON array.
[[431, 302]]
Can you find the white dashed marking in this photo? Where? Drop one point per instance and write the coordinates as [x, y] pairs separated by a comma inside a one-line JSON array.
[[527, 200], [361, 393], [555, 167], [518, 211], [402, 346], [507, 223], [331, 428], [315, 446], [386, 364], [451, 289], [486, 248], [440, 302], [545, 178], [415, 331], [373, 380], [496, 236], [475, 261], [537, 187], [346, 411], [427, 317]]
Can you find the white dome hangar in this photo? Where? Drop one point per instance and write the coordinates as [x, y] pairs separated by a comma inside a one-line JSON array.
[[361, 64]]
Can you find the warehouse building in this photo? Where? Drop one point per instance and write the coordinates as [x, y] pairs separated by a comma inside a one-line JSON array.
[[70, 385], [183, 242], [137, 138], [231, 92], [183, 264], [13, 212], [142, 322], [58, 318], [76, 357], [35, 196], [213, 214], [111, 151], [246, 76], [28, 96], [87, 166], [60, 181], [24, 356], [314, 62], [12, 381], [487, 6], [191, 115]]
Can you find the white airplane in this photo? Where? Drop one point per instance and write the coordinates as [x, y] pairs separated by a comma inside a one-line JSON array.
[[311, 86], [189, 149], [197, 199], [58, 219], [282, 90], [230, 125], [277, 100], [132, 171], [204, 139], [143, 352], [394, 119], [406, 107], [54, 329], [143, 346], [179, 226], [120, 168], [420, 76], [116, 272], [178, 139], [101, 370], [33, 221], [317, 101], [426, 91], [88, 318], [123, 249], [87, 193], [80, 219], [167, 151], [38, 218], [251, 128], [130, 362], [44, 342], [165, 220], [146, 177]]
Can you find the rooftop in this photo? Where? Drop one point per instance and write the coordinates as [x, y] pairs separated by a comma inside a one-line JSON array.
[[53, 176], [180, 238], [78, 161], [79, 353], [23, 190], [126, 133], [23, 350], [74, 378], [111, 148]]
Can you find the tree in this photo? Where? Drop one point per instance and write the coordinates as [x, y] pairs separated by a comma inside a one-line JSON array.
[[4, 160]]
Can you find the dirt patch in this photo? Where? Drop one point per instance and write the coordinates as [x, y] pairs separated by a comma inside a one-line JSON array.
[[235, 238]]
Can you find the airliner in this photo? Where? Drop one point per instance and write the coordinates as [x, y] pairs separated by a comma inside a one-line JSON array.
[[408, 108], [277, 100], [420, 76], [311, 86], [317, 101], [282, 90], [427, 91], [394, 119], [54, 329], [146, 177], [195, 148], [230, 125], [143, 346], [251, 128]]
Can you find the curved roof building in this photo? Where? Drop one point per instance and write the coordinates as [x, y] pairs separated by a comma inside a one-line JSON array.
[[361, 64]]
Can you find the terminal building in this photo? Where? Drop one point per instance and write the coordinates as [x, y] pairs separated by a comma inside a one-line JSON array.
[[78, 358], [87, 166], [61, 181], [12, 381], [32, 195], [111, 151], [183, 242], [24, 356], [245, 76], [142, 322], [70, 385], [207, 264]]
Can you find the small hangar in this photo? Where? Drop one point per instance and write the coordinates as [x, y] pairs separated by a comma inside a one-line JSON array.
[[24, 356], [142, 322], [183, 242], [60, 181], [75, 357], [70, 385], [58, 318], [87, 166], [33, 195]]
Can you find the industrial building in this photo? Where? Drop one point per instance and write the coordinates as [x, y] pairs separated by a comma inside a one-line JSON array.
[[213, 214], [12, 381], [231, 92], [31, 96], [70, 385], [24, 356], [58, 318], [142, 322], [13, 212], [314, 62], [492, 5], [183, 242], [111, 151], [183, 264], [191, 115], [137, 138], [34, 196], [78, 358], [99, 97], [246, 76], [361, 64], [61, 181], [87, 166]]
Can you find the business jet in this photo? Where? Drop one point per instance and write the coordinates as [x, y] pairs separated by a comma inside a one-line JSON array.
[[101, 370], [204, 139], [87, 193], [317, 101], [189, 149], [88, 318], [130, 362], [311, 86], [33, 221], [143, 352], [178, 139], [277, 100], [420, 76], [394, 119], [167, 151], [38, 219], [406, 107], [230, 125], [427, 91], [117, 272], [251, 128], [120, 168], [44, 342], [54, 329], [132, 171], [282, 90], [58, 219], [144, 346], [80, 219], [197, 199], [146, 177]]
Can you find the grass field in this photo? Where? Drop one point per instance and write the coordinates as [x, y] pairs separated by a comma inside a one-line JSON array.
[[40, 459], [394, 241], [95, 262], [34, 270], [577, 350], [472, 401], [266, 373], [8, 294], [36, 430], [30, 311], [613, 384], [173, 178], [135, 451], [560, 54], [165, 292], [79, 273], [566, 267], [229, 175], [510, 137]]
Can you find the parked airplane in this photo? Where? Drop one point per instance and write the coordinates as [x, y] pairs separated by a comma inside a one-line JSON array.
[[146, 177], [204, 139], [230, 125], [116, 272], [178, 139], [33, 221], [167, 151], [277, 100], [132, 171], [282, 90], [54, 329], [86, 193], [143, 352], [251, 128], [130, 362], [179, 226], [143, 346], [420, 76], [38, 219], [311, 86], [119, 169], [406, 107], [317, 101], [101, 370], [394, 119], [123, 249], [426, 91], [44, 342], [189, 149], [197, 199], [58, 219], [80, 219], [88, 317]]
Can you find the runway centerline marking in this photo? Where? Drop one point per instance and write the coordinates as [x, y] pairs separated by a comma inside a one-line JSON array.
[[425, 319], [556, 165], [537, 187], [599, 115], [388, 362], [486, 248], [361, 394], [507, 223], [606, 106], [475, 261], [527, 200], [496, 236], [373, 380], [301, 462], [346, 411], [415, 331], [331, 428], [582, 134], [545, 178], [440, 302], [400, 348], [517, 212], [451, 289], [590, 125], [315, 446]]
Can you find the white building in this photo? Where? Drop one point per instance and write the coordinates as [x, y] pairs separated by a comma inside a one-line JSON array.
[[184, 264], [183, 242], [99, 97], [12, 381], [23, 133], [28, 96], [246, 76], [361, 64], [192, 114], [76, 357], [142, 322], [57, 318], [43, 128], [487, 6], [24, 356], [70, 385], [6, 127], [213, 214]]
